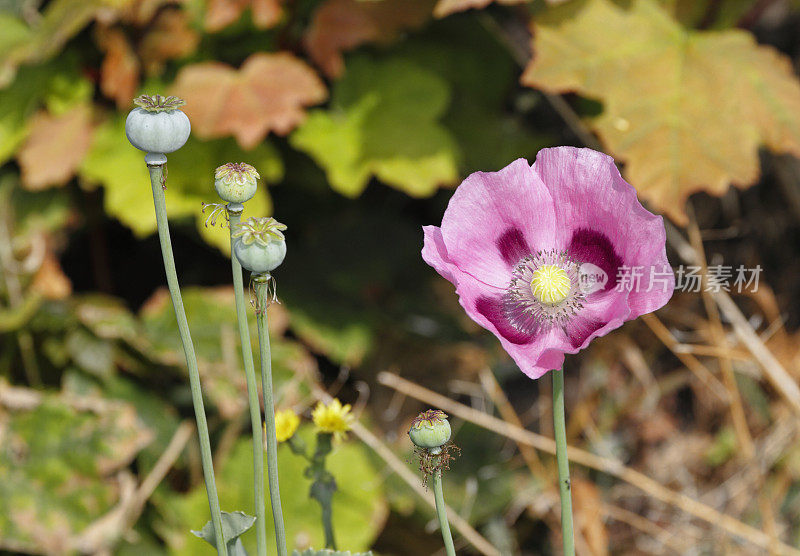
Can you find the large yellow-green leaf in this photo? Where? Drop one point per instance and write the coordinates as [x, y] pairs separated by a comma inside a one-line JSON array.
[[685, 110], [17, 102], [13, 33], [120, 168], [57, 84], [359, 508], [22, 42], [384, 120]]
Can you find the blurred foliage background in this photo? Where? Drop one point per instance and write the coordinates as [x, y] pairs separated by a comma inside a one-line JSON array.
[[361, 116]]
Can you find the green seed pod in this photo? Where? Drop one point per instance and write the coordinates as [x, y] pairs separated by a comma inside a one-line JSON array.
[[430, 429], [236, 182], [260, 246], [157, 125]]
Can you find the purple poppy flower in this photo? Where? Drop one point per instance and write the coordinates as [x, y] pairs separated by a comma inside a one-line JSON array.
[[551, 256]]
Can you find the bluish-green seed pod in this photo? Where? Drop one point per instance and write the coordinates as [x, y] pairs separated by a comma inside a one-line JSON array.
[[259, 245], [157, 125], [236, 182], [260, 258], [430, 429]]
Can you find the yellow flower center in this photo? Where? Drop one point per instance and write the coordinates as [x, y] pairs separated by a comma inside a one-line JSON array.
[[550, 284]]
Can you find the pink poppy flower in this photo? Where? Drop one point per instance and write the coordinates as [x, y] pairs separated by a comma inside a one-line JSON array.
[[550, 256]]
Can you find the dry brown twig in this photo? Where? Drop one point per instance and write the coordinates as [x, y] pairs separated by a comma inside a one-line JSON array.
[[775, 373], [697, 368], [532, 461], [402, 470], [743, 436], [648, 527], [498, 397], [582, 457], [713, 351]]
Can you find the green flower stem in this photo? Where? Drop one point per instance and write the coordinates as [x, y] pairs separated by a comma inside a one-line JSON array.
[[324, 486], [560, 427], [441, 512], [156, 181], [262, 301], [327, 525], [234, 216]]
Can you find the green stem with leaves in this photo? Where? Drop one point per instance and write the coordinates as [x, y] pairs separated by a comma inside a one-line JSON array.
[[441, 513], [559, 424], [234, 216], [262, 302], [323, 486], [157, 180]]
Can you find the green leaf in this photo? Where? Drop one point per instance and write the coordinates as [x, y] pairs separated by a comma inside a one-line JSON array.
[[482, 76], [233, 526], [327, 552], [158, 415], [384, 120], [498, 483], [14, 32], [336, 282], [212, 320], [115, 164], [359, 508], [59, 22], [92, 354], [723, 448], [18, 102], [107, 317], [42, 211], [140, 542], [67, 89], [346, 343], [57, 459]]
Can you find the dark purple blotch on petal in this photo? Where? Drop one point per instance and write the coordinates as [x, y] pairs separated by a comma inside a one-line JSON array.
[[590, 246], [492, 309], [512, 246], [579, 328]]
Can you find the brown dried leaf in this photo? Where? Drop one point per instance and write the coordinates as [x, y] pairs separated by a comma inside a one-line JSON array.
[[268, 93], [221, 13], [266, 13], [170, 37], [447, 7], [46, 33], [341, 25], [50, 280], [119, 73], [685, 110], [55, 147], [139, 12]]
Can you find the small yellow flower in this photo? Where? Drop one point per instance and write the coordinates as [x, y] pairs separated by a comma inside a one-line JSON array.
[[333, 418], [286, 423]]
